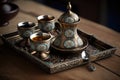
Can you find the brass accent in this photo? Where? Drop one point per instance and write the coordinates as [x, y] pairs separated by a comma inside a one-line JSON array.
[[44, 55], [69, 6]]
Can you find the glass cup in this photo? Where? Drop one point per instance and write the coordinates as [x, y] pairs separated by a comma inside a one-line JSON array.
[[40, 42]]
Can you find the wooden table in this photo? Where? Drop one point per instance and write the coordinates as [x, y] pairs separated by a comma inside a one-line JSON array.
[[15, 67]]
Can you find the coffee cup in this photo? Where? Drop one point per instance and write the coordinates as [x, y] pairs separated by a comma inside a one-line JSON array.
[[40, 42], [46, 23], [25, 29]]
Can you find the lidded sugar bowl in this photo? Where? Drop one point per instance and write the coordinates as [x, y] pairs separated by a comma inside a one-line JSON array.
[[68, 40]]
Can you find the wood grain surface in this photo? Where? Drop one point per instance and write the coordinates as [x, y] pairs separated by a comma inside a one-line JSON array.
[[16, 67]]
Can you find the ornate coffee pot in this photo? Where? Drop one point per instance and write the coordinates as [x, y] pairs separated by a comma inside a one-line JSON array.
[[68, 40]]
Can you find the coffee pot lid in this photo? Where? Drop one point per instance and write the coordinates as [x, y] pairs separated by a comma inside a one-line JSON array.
[[69, 16]]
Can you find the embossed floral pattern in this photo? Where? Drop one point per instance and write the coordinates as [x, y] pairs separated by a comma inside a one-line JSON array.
[[42, 47], [48, 27], [69, 20], [69, 44], [69, 33]]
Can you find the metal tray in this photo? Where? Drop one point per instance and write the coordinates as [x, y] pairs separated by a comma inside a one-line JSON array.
[[97, 49]]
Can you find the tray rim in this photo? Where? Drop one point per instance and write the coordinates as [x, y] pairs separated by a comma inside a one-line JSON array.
[[50, 67]]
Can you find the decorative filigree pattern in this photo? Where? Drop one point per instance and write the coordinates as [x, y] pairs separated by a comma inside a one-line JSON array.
[[69, 33], [48, 27], [69, 20], [42, 47], [69, 44]]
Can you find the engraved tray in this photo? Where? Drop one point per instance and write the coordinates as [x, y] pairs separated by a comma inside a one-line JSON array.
[[97, 50]]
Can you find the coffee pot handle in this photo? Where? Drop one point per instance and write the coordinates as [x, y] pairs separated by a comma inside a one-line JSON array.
[[58, 27]]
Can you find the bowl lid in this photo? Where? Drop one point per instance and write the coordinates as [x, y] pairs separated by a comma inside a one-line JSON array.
[[69, 16]]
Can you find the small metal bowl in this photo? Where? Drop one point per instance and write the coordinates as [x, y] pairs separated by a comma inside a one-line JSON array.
[[7, 12]]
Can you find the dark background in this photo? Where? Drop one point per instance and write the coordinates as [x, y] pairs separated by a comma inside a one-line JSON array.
[[105, 12]]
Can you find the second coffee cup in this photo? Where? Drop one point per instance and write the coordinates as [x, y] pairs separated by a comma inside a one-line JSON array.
[[46, 23]]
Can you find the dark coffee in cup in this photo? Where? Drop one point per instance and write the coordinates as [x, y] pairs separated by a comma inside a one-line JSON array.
[[40, 38], [45, 18], [40, 41], [25, 29]]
